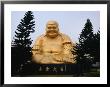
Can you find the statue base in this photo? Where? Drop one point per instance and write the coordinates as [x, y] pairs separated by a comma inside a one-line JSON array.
[[55, 69]]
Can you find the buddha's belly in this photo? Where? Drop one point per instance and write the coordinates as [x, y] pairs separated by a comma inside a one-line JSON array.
[[53, 49], [52, 46]]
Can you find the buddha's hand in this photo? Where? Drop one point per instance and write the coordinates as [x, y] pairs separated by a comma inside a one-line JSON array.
[[68, 58], [37, 58], [58, 58]]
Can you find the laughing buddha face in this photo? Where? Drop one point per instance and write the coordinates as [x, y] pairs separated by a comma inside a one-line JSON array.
[[52, 29]]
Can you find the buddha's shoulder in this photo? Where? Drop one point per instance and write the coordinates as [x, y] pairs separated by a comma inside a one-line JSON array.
[[64, 36], [40, 37]]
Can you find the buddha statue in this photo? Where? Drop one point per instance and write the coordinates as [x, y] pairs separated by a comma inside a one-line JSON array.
[[53, 47]]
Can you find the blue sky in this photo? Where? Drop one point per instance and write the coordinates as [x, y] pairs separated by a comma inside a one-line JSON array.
[[70, 22]]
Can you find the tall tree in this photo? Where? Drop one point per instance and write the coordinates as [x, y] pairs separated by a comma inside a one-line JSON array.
[[26, 26], [86, 39], [22, 41], [83, 48]]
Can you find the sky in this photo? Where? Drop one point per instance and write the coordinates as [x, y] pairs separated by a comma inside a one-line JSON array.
[[70, 23]]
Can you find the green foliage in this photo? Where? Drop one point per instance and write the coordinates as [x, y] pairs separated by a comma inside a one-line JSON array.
[[88, 49], [21, 45], [95, 53], [24, 29], [83, 48]]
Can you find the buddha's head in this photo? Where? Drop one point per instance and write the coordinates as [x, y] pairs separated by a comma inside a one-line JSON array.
[[52, 29]]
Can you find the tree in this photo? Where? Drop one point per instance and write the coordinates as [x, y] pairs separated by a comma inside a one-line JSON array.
[[85, 40], [83, 49], [24, 29], [21, 48]]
